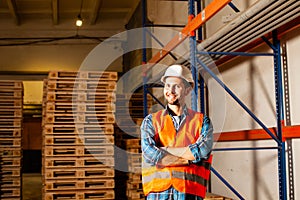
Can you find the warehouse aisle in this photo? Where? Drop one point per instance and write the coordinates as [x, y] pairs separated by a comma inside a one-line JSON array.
[[32, 186]]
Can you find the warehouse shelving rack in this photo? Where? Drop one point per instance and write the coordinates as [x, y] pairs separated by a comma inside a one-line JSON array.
[[283, 131]]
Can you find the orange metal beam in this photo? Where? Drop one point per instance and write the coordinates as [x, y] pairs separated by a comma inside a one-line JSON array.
[[191, 26], [257, 134]]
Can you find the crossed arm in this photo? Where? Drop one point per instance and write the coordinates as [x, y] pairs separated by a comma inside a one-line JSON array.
[[170, 156]]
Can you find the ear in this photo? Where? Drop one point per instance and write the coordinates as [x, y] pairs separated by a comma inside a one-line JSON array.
[[188, 90]]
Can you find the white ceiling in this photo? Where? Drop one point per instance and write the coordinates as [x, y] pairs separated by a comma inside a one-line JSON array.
[[23, 19]]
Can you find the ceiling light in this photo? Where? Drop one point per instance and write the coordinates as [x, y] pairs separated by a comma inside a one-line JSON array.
[[79, 21]]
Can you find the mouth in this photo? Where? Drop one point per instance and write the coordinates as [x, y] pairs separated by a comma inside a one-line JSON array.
[[171, 97]]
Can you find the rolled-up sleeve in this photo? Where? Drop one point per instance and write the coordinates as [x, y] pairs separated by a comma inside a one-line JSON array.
[[203, 146], [151, 153]]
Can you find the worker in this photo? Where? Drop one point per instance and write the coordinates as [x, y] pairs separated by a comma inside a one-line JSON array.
[[176, 144]]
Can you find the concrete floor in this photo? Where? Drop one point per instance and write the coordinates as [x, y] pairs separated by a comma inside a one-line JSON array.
[[32, 186]]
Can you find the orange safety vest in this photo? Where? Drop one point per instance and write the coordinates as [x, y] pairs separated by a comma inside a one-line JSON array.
[[192, 178]]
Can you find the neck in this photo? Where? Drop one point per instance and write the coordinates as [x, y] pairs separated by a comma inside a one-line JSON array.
[[176, 109]]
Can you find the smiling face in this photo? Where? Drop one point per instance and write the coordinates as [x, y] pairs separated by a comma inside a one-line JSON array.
[[175, 91]]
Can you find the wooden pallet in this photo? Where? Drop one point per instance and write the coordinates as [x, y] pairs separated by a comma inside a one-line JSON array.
[[54, 118], [136, 168], [79, 184], [10, 142], [11, 103], [10, 152], [80, 195], [91, 75], [11, 94], [80, 85], [88, 140], [135, 158], [106, 129], [10, 162], [83, 96], [8, 172], [134, 185], [10, 193], [132, 143], [71, 162], [135, 194], [134, 177], [55, 151], [10, 112], [10, 123], [9, 183], [74, 107], [11, 84], [10, 132], [71, 173]]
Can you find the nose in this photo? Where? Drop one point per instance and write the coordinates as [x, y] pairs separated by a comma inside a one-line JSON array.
[[172, 89]]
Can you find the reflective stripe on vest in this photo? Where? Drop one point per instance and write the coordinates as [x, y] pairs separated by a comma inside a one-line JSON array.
[[190, 179]]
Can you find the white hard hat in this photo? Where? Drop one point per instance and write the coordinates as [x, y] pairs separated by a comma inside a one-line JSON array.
[[179, 71]]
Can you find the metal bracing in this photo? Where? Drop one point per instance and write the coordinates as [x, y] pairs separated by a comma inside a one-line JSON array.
[[255, 22]]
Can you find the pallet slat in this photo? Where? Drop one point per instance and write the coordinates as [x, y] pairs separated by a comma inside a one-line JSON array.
[[79, 140], [78, 129], [80, 85], [79, 184], [84, 96], [74, 107], [79, 151], [81, 195], [71, 173], [102, 75], [71, 162]]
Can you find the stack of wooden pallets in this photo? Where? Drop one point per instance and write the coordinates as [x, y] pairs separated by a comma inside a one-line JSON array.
[[78, 140], [129, 116], [11, 114]]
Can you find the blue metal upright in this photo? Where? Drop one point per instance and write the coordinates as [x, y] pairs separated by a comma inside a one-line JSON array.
[[193, 48], [280, 117]]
